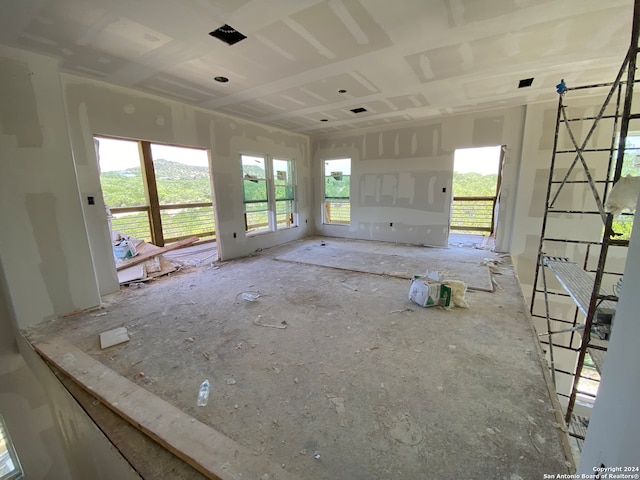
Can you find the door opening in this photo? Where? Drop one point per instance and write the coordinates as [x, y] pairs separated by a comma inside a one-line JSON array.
[[157, 193], [476, 190]]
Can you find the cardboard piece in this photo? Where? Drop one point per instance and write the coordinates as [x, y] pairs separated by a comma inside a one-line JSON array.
[[114, 337], [429, 294]]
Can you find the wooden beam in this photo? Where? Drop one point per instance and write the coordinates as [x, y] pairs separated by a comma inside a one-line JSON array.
[[152, 193], [205, 449], [146, 256]]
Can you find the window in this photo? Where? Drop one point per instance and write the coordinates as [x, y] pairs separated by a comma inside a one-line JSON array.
[[268, 187], [255, 193], [158, 193], [284, 188], [337, 202], [623, 223], [10, 468]]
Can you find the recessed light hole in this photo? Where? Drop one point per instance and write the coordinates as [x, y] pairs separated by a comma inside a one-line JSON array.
[[342, 90], [221, 79], [358, 110]]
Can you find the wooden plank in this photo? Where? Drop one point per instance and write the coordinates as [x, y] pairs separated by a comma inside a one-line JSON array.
[[208, 451], [146, 256], [114, 337], [148, 458]]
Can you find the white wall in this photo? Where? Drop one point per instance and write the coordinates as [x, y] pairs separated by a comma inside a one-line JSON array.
[[96, 108], [398, 175], [612, 437], [43, 240]]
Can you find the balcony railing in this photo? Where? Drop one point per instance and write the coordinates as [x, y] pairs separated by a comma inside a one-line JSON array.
[[178, 221], [133, 221], [337, 211], [186, 220], [474, 214]]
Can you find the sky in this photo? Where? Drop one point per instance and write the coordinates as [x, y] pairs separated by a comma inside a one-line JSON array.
[[116, 155], [342, 165], [485, 160]]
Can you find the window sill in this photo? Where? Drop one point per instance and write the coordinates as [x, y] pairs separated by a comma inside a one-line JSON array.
[[256, 233]]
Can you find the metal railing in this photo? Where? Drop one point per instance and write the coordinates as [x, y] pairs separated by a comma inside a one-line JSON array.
[[133, 221], [473, 214], [178, 221], [256, 221], [182, 221]]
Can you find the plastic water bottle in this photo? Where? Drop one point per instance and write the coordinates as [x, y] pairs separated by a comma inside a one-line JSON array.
[[203, 393]]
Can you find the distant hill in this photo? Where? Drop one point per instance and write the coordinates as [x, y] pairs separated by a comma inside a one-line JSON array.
[[474, 184], [177, 183]]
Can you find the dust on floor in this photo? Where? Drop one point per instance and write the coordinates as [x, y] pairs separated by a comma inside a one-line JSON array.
[[414, 394]]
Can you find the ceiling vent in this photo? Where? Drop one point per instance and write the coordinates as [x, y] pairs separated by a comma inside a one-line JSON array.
[[525, 82], [358, 110], [227, 34]]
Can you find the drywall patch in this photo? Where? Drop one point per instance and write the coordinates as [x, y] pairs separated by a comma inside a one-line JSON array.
[[411, 142], [42, 212], [430, 197], [406, 189], [18, 106], [488, 131], [206, 130], [547, 133], [224, 188], [540, 185], [130, 115], [431, 234]]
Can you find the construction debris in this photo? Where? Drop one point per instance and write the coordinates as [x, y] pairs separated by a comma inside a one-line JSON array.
[[153, 252], [113, 337], [260, 324]]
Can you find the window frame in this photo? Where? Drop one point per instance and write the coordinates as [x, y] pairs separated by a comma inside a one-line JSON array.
[[17, 472], [247, 177], [328, 201], [271, 200], [154, 209], [290, 185]]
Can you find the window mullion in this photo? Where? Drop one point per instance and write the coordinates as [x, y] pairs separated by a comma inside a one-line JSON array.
[[151, 188], [271, 192]]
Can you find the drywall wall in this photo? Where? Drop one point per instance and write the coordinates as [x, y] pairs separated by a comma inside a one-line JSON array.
[[43, 242], [53, 437], [96, 108], [403, 174], [612, 437]]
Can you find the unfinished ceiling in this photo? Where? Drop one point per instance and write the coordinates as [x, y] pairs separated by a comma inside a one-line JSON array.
[[306, 64]]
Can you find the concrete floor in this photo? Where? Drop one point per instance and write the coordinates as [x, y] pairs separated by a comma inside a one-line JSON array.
[[381, 388]]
